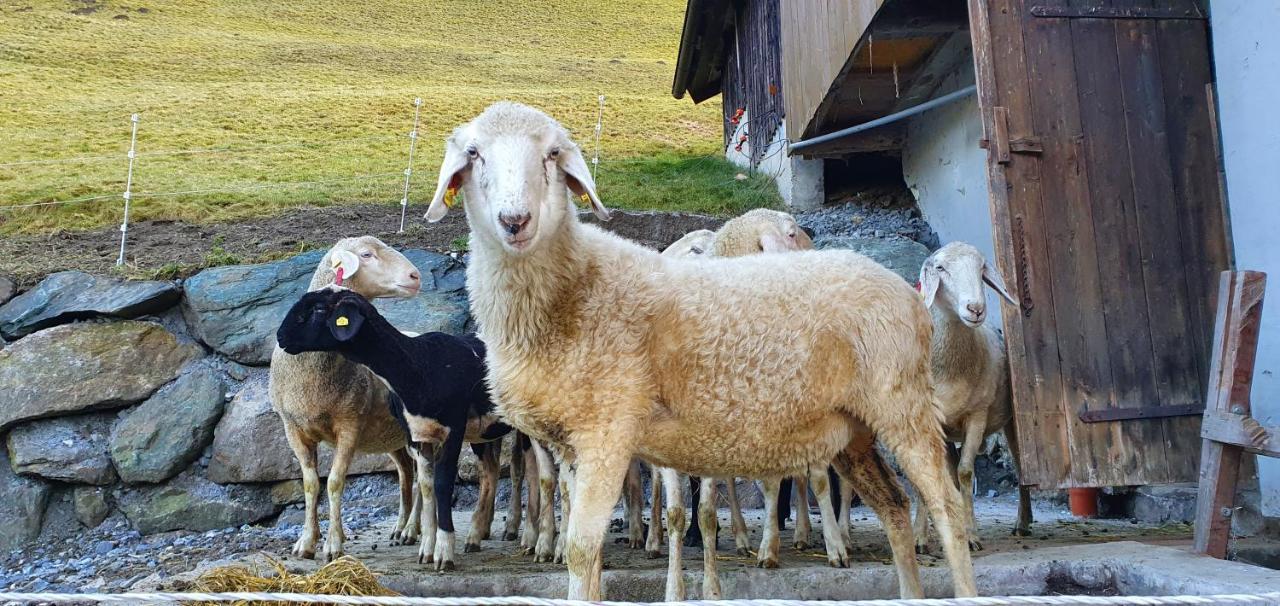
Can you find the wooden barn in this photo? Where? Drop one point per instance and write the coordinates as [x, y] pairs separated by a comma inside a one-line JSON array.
[[1078, 143]]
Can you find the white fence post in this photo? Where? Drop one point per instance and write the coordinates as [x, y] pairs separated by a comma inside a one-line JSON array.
[[128, 187], [595, 159], [413, 141]]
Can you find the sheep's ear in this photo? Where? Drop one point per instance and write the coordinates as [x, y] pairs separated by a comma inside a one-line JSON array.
[[455, 161], [803, 239], [345, 321], [928, 282], [578, 178], [992, 278]]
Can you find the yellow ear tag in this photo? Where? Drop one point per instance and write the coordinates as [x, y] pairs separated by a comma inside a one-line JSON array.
[[342, 321], [450, 197], [586, 198]]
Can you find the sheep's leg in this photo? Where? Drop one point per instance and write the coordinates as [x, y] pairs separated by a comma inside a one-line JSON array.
[[423, 457], [837, 553], [343, 452], [1023, 526], [846, 504], [634, 501], [600, 472], [867, 472], [533, 507], [446, 477], [920, 526], [921, 453], [305, 452], [406, 526], [566, 503], [511, 531], [677, 525], [482, 518], [654, 542], [740, 539], [768, 555], [803, 526], [707, 517], [544, 550], [975, 425]]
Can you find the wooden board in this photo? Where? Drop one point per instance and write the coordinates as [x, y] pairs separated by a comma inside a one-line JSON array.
[[1109, 228]]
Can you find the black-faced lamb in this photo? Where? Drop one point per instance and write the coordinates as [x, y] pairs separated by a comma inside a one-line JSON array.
[[438, 388], [605, 346]]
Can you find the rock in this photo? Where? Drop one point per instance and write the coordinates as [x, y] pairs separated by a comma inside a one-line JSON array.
[[237, 309], [74, 295], [22, 505], [87, 366], [903, 257], [67, 449], [1164, 504], [91, 505], [190, 502], [287, 492], [103, 547], [249, 443], [166, 433], [7, 289]]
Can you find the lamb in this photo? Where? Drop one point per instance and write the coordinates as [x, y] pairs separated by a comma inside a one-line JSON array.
[[439, 395], [321, 397], [970, 371], [614, 351]]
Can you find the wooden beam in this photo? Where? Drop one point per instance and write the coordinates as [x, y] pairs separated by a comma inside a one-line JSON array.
[[1241, 430], [885, 138], [1235, 348]]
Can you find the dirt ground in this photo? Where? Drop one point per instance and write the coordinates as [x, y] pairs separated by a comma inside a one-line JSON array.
[[1053, 526], [174, 249]]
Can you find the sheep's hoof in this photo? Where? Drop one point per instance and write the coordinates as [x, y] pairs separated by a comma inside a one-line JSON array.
[[543, 558], [330, 556], [838, 561], [652, 554], [425, 558], [922, 549], [975, 545], [510, 535], [1019, 531], [471, 548], [446, 566], [769, 563], [636, 543], [802, 545], [306, 554], [524, 550], [743, 551]]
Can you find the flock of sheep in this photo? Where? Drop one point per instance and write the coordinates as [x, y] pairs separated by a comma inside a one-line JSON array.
[[706, 359]]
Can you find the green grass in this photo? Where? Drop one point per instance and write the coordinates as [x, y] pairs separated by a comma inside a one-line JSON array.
[[322, 92]]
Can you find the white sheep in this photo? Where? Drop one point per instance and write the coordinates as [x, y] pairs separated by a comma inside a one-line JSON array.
[[970, 371], [602, 345]]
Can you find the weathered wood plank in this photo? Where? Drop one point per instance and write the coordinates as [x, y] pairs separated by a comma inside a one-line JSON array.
[[1235, 346], [1241, 430], [817, 38]]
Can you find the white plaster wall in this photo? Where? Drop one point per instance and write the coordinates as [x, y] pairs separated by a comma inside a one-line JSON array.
[[947, 172], [1247, 63], [799, 180]]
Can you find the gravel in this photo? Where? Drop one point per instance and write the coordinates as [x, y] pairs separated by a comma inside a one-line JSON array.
[[882, 212]]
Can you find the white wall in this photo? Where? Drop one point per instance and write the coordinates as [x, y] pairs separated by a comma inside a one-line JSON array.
[[947, 172], [799, 180], [1247, 64]]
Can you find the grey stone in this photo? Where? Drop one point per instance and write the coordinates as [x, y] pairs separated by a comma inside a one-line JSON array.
[[249, 444], [7, 289], [103, 547], [1162, 504], [190, 502], [237, 309], [87, 366], [91, 505], [67, 449], [903, 257], [75, 295], [166, 433], [22, 505]]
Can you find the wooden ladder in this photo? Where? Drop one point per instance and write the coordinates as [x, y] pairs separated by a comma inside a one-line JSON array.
[[1228, 429]]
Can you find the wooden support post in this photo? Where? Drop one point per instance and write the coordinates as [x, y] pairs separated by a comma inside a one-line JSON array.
[[1235, 346]]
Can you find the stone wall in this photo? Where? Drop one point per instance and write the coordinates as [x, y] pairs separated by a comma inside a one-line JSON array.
[[148, 398]]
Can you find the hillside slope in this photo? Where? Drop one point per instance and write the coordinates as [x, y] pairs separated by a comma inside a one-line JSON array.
[[265, 96]]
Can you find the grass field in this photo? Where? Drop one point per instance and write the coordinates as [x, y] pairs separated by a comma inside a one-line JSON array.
[[264, 95]]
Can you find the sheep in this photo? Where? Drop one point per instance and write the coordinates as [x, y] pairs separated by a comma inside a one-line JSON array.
[[613, 350], [970, 371], [322, 397], [438, 395]]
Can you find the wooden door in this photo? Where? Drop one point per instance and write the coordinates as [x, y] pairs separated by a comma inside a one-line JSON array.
[[1108, 221]]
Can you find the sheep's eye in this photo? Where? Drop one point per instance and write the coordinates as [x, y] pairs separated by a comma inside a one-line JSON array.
[[472, 152], [554, 153], [366, 255], [941, 269]]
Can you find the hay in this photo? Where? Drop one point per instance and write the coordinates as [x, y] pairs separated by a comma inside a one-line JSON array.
[[343, 576]]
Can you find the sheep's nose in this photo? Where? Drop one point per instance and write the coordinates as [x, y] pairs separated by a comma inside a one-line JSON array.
[[977, 309], [414, 276], [514, 222]]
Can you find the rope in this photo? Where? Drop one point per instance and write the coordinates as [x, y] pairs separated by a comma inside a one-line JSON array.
[[1057, 600], [75, 201], [206, 150]]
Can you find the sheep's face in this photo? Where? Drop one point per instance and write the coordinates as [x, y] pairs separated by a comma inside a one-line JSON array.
[[516, 169], [322, 320], [783, 234], [694, 244], [952, 279], [373, 268]]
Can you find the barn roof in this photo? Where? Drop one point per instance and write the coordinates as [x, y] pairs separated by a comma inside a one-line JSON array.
[[704, 44]]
